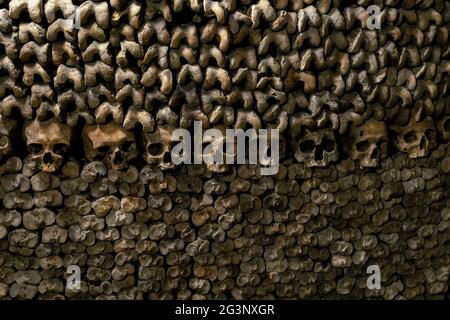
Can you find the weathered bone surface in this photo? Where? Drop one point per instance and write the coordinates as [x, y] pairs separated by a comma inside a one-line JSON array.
[[91, 92], [110, 143], [317, 148], [157, 147], [369, 143], [47, 142]]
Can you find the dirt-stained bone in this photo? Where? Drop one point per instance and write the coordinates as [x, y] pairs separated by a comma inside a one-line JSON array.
[[417, 138], [157, 147], [369, 143], [110, 143], [47, 141], [317, 148], [323, 73]]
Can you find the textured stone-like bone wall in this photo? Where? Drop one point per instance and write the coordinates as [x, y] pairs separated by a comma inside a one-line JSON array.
[[89, 96]]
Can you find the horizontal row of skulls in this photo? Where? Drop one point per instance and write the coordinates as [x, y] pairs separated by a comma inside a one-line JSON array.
[[48, 143]]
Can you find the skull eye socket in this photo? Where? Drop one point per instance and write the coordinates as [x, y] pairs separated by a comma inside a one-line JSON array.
[[103, 149], [328, 145], [410, 136], [127, 145], [47, 159], [307, 146], [430, 134], [35, 148], [59, 148], [155, 149], [362, 146]]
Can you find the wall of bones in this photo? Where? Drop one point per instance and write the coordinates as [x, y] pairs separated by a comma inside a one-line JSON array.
[[90, 92]]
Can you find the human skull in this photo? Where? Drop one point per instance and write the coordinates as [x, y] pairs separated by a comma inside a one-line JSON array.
[[47, 142], [369, 143], [317, 148], [444, 128], [7, 126], [417, 138], [158, 146], [110, 143]]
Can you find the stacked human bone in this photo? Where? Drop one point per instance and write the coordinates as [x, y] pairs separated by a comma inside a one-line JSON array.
[[91, 91]]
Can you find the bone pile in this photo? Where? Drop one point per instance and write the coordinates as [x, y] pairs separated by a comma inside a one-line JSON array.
[[91, 91]]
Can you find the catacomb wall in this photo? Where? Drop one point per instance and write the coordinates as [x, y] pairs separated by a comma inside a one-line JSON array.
[[90, 92]]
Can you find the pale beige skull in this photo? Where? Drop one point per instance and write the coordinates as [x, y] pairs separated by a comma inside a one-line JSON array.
[[369, 143], [158, 146], [317, 148], [48, 141], [6, 140], [417, 138], [110, 143]]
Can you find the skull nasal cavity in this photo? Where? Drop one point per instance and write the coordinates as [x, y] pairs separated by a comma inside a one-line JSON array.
[[375, 154], [423, 143], [118, 158], [167, 157], [318, 153], [47, 158]]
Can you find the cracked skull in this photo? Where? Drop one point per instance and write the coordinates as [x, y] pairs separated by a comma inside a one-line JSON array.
[[317, 148], [417, 138], [157, 147], [48, 142], [369, 143], [110, 143]]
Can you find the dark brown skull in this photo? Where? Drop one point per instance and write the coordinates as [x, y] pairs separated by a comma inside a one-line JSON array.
[[317, 148], [417, 138]]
